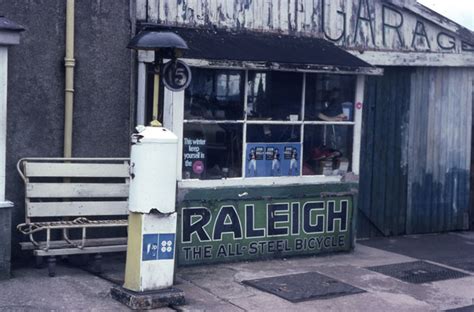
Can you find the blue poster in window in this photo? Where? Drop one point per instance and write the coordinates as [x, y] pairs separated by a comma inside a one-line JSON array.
[[273, 159], [158, 247]]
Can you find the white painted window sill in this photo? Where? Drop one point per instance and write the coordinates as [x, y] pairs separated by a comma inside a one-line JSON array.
[[263, 181]]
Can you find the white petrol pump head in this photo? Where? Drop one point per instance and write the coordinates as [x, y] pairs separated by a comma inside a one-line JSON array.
[[153, 170]]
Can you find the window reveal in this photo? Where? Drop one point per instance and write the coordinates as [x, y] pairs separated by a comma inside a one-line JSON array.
[[260, 123]]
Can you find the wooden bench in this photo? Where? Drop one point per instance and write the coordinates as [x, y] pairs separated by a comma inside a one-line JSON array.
[[66, 197]]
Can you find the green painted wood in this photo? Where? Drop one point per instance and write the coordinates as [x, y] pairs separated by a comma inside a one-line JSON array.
[[267, 192], [383, 180]]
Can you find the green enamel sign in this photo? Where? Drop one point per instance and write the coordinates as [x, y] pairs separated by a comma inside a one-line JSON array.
[[222, 231]]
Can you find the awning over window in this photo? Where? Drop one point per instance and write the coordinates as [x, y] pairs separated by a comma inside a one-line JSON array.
[[266, 50]]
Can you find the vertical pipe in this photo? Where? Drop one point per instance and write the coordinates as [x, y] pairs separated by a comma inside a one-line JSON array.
[[156, 90], [3, 117], [69, 63], [156, 95], [141, 90]]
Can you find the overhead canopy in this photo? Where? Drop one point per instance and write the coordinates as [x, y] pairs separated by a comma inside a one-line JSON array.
[[265, 50]]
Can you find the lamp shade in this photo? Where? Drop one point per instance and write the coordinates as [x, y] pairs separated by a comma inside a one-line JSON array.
[[155, 40]]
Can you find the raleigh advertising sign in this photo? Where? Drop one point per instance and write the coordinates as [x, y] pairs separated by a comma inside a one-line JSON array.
[[244, 230]]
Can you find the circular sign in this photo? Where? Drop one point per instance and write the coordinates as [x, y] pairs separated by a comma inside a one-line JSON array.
[[198, 167], [359, 105], [176, 75]]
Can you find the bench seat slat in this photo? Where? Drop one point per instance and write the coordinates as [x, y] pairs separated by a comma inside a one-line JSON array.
[[79, 170], [76, 190], [76, 251], [77, 208]]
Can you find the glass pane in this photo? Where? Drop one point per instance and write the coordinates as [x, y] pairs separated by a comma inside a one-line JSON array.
[[212, 151], [274, 95], [215, 95], [330, 97], [273, 133], [327, 149]]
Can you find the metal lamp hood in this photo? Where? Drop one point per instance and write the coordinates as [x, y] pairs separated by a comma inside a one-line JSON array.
[[155, 40]]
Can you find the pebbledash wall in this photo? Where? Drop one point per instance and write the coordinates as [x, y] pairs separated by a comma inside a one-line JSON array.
[[103, 84], [415, 151]]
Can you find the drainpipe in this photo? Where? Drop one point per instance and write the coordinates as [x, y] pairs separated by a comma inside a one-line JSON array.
[[69, 63]]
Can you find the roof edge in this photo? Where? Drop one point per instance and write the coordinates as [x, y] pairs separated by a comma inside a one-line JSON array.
[[429, 14]]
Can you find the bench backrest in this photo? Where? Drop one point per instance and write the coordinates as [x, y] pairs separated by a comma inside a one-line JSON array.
[[75, 187]]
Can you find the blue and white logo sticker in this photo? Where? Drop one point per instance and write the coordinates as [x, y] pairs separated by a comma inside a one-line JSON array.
[[158, 247], [166, 246]]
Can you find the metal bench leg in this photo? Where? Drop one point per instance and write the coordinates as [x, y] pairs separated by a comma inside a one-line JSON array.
[[97, 264], [52, 266]]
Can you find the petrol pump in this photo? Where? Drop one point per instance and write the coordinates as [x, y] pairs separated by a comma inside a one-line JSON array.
[[151, 245]]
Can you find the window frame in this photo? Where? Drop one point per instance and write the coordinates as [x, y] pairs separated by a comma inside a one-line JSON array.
[[173, 119]]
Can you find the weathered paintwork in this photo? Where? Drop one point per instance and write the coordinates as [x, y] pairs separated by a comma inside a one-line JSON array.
[[218, 225], [439, 149], [416, 152], [359, 25], [384, 164]]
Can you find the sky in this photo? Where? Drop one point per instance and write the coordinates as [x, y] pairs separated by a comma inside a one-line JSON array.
[[460, 11]]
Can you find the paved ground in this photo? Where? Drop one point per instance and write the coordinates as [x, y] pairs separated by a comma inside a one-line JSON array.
[[220, 288]]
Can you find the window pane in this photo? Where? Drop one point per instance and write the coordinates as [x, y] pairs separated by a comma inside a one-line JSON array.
[[212, 151], [272, 159], [327, 149], [274, 95], [215, 95], [330, 97], [273, 133]]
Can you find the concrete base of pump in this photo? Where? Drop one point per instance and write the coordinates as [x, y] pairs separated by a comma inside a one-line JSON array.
[[149, 299]]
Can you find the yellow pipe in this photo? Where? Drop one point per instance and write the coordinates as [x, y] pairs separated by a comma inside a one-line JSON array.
[[69, 63], [156, 97]]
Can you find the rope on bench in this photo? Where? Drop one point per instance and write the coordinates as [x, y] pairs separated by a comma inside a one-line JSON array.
[[30, 228]]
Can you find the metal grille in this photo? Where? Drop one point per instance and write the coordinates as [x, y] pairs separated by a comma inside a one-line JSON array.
[[303, 287], [417, 272]]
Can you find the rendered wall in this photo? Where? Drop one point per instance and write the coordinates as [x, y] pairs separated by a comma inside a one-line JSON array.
[[36, 85]]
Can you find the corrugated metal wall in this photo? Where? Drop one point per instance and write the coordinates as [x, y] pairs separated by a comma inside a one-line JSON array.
[[439, 150], [383, 179], [416, 152]]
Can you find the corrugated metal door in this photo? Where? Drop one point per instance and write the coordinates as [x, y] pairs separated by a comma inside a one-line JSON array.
[[416, 152], [439, 152]]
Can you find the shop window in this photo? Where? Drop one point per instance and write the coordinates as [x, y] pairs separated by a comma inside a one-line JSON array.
[[215, 95], [247, 124], [327, 149], [273, 133], [274, 96], [212, 151], [329, 97]]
